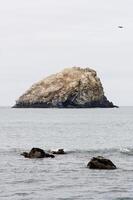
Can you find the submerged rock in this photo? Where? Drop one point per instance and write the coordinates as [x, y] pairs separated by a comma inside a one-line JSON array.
[[37, 153], [100, 163], [72, 88], [59, 151]]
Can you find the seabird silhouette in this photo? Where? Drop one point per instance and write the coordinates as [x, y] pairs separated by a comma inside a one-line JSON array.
[[120, 26]]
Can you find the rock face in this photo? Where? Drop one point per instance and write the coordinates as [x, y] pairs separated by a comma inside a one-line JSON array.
[[37, 153], [72, 88], [101, 163]]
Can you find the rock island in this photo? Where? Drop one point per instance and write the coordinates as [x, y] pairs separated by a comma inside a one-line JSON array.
[[71, 88]]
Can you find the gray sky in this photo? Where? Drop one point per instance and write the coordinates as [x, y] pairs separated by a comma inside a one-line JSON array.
[[40, 37]]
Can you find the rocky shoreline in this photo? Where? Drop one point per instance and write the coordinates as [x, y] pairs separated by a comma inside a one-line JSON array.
[[72, 88], [95, 104]]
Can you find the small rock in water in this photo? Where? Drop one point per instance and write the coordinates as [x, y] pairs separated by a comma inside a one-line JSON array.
[[37, 153], [25, 154], [100, 162], [59, 151]]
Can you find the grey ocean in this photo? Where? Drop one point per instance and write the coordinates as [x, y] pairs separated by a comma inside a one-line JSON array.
[[83, 133]]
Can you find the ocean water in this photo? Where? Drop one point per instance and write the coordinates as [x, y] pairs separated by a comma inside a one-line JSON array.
[[83, 133]]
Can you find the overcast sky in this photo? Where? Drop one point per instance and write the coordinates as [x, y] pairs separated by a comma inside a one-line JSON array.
[[40, 37]]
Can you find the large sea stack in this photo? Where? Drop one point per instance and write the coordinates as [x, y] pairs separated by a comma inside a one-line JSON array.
[[71, 88]]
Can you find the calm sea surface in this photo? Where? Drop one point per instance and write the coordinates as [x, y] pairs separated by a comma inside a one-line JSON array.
[[83, 133]]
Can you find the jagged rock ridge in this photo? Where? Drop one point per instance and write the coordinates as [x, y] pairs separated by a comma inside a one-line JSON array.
[[72, 88]]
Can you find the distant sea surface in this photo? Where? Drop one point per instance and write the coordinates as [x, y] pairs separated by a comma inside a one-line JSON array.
[[83, 133]]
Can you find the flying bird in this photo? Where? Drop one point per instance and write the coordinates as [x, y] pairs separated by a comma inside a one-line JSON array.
[[120, 26]]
